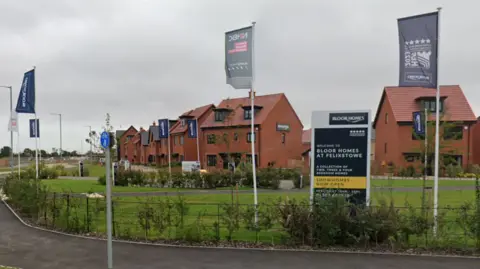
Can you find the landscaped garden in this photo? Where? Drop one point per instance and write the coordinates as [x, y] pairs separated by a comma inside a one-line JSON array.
[[397, 219]]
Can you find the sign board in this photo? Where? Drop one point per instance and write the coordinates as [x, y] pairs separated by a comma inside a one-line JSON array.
[[283, 127], [340, 163], [104, 140], [190, 166]]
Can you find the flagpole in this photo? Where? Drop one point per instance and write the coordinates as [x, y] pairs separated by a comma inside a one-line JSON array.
[[18, 148], [168, 142], [437, 132], [198, 145], [426, 145], [11, 129], [253, 138], [36, 146]]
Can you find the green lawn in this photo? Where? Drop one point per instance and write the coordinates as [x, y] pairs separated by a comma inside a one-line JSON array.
[[82, 186]]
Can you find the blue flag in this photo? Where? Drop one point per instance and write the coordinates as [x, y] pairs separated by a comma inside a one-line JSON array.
[[26, 97], [34, 128], [163, 127], [192, 128], [418, 37], [419, 123]]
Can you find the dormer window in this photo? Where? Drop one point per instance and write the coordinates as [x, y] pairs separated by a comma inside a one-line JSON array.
[[430, 105], [183, 122], [247, 111], [221, 113]]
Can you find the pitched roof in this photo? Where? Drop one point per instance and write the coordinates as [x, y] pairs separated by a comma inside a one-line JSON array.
[[193, 114], [267, 102], [403, 102], [154, 131], [307, 136], [144, 138]]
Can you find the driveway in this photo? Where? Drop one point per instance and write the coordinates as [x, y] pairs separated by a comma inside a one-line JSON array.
[[31, 249]]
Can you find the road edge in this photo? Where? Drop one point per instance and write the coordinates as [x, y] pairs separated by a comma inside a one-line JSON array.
[[232, 248]]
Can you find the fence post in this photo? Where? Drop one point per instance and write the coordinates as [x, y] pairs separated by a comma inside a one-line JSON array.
[[218, 222], [54, 211], [45, 209], [88, 216], [68, 212]]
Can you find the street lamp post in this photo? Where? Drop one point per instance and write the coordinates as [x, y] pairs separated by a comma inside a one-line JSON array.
[[60, 117], [11, 129]]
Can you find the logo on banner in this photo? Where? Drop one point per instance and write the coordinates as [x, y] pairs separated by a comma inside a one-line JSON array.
[[348, 118], [418, 53], [24, 92], [237, 36]]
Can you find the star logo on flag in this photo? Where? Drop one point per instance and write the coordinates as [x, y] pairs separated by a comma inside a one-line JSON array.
[[411, 42], [417, 41], [428, 41], [422, 41]]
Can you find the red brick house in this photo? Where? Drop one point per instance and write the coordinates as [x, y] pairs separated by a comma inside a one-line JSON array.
[[139, 144], [123, 137], [306, 146], [278, 132], [154, 144], [184, 148], [395, 142]]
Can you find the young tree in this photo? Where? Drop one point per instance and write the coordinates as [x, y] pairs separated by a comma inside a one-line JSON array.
[[427, 148]]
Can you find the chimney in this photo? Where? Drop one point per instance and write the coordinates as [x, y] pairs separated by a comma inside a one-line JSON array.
[[250, 94], [154, 123]]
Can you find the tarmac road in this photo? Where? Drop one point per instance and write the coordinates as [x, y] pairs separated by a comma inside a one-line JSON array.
[[28, 248]]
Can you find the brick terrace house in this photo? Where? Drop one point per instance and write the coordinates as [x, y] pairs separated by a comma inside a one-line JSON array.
[[140, 147], [184, 148], [124, 136], [395, 142], [154, 144], [278, 132]]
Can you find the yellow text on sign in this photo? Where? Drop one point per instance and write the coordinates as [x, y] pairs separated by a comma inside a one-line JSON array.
[[340, 182]]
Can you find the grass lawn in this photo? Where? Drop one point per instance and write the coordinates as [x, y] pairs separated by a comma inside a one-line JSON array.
[[83, 186]]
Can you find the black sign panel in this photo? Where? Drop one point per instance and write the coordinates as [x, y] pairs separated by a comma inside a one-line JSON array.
[[340, 163], [348, 118]]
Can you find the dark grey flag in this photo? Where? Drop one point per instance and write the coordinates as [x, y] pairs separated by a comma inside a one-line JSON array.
[[238, 58], [418, 36]]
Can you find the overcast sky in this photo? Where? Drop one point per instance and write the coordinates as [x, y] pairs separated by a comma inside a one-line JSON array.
[[142, 60]]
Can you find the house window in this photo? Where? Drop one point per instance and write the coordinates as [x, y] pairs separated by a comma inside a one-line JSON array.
[[385, 148], [247, 113], [410, 158], [453, 133], [386, 118], [430, 105], [220, 115], [175, 140], [181, 140], [211, 139], [183, 122], [249, 138], [211, 160], [452, 159], [283, 138], [249, 159], [235, 136]]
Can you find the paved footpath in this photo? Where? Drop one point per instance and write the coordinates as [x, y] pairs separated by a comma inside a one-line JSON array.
[[28, 248]]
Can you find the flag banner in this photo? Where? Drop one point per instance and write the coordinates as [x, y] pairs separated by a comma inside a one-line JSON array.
[[192, 128], [418, 37], [239, 58], [13, 123], [163, 128], [26, 97], [34, 128], [419, 122]]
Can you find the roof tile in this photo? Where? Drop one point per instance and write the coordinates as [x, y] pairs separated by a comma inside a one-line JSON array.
[[402, 101], [194, 114], [267, 102]]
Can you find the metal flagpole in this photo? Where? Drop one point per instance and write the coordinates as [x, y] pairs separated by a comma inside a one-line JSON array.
[[198, 145], [36, 146], [437, 132], [18, 147], [168, 146], [253, 138], [426, 145], [11, 129]]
